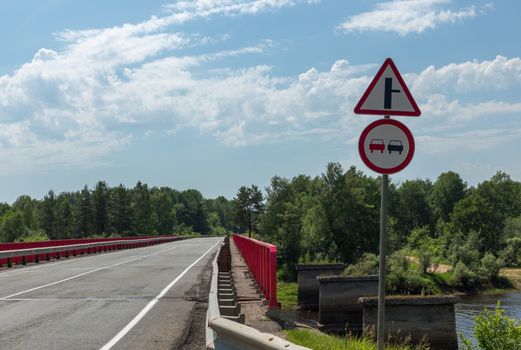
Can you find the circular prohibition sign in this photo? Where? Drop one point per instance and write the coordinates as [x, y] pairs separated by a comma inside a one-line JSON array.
[[386, 146]]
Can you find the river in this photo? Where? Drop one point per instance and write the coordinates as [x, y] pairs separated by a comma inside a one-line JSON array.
[[470, 306]]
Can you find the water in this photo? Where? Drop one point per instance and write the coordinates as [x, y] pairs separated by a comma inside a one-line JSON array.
[[470, 306]]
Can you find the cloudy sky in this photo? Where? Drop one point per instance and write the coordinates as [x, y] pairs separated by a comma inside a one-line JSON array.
[[215, 94]]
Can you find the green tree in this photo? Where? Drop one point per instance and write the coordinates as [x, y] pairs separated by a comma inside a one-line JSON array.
[[410, 209], [350, 204], [214, 221], [282, 221], [120, 215], [486, 209], [192, 211], [249, 206], [49, 214], [163, 208], [13, 226], [65, 222], [28, 207], [84, 213], [142, 207], [448, 189], [100, 202], [225, 209]]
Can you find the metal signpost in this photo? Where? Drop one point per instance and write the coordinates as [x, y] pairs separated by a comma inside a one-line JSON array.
[[386, 146]]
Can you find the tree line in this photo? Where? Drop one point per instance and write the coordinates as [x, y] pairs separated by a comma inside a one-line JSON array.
[[331, 217], [115, 211], [335, 217]]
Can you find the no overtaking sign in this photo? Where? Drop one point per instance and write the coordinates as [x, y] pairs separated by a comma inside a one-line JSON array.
[[386, 146]]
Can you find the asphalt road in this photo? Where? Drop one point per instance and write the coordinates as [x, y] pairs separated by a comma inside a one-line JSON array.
[[144, 298]]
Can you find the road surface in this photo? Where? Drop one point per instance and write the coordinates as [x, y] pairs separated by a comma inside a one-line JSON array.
[[145, 298]]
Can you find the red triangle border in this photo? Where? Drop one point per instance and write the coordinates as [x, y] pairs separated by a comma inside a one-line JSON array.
[[388, 62]]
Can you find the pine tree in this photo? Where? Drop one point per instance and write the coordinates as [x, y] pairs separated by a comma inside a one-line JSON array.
[[49, 214], [100, 200], [84, 213], [120, 215]]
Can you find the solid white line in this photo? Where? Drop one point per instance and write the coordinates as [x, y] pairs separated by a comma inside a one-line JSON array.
[[87, 273], [151, 304]]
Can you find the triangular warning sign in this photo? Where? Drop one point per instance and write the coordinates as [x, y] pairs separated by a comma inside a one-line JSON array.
[[388, 95]]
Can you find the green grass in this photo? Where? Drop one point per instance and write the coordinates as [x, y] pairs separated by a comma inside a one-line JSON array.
[[287, 294], [320, 341]]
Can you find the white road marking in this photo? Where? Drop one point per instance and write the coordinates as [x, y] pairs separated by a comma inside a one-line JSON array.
[[87, 273], [151, 304]]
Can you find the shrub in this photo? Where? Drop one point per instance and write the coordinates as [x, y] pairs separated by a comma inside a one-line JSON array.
[[425, 258], [490, 266], [367, 265], [463, 276], [495, 331], [33, 236], [512, 253], [468, 253], [402, 278]]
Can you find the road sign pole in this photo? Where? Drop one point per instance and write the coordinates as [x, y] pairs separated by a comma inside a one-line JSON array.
[[381, 269], [386, 95]]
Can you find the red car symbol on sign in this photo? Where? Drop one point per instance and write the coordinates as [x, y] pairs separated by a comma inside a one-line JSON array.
[[377, 145]]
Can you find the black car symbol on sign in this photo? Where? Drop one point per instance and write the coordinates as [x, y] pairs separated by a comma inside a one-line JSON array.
[[395, 145]]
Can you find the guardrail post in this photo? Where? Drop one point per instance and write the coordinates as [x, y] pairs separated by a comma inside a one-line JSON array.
[[9, 263]]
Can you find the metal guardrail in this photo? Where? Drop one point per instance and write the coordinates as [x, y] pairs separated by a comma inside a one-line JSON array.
[[236, 336], [224, 334], [79, 249], [213, 303]]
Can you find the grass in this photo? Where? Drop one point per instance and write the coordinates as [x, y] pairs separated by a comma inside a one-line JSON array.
[[320, 341], [287, 294]]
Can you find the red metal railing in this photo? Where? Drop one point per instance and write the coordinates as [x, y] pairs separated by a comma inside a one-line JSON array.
[[261, 258], [65, 242]]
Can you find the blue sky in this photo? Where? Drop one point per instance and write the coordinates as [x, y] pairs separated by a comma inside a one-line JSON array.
[[217, 94]]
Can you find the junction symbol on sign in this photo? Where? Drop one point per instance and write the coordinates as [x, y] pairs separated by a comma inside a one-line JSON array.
[[388, 94]]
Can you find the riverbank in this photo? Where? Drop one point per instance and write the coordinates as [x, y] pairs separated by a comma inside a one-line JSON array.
[[513, 275], [299, 325], [442, 275]]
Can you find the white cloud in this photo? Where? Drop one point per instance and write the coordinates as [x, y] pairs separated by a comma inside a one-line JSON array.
[[184, 10], [496, 74], [408, 16], [439, 105], [106, 86]]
